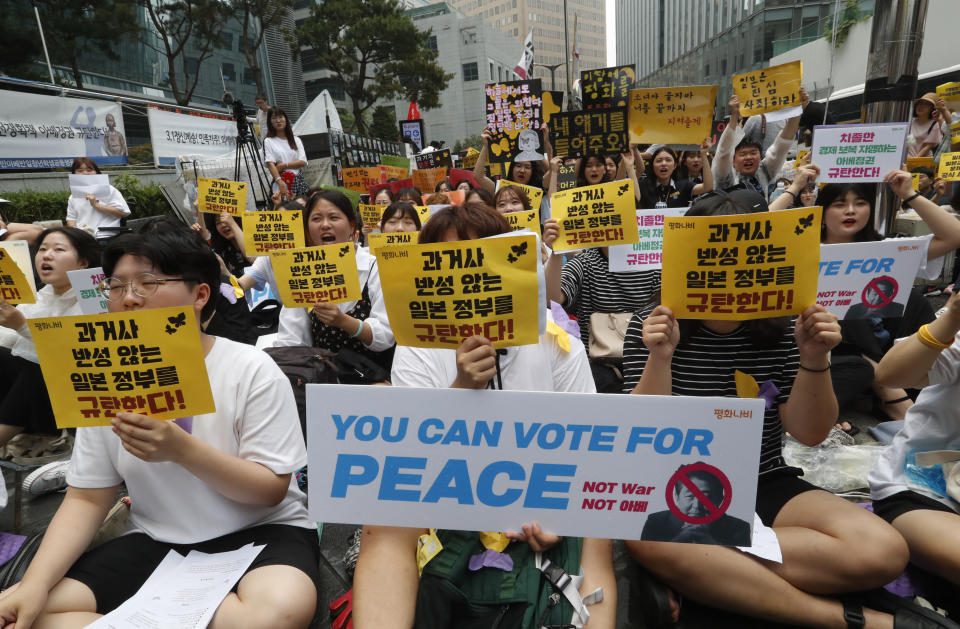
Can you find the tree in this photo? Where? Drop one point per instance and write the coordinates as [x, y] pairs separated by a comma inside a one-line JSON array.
[[76, 27], [178, 23], [20, 46], [848, 18], [375, 50], [474, 140], [384, 125], [269, 13]]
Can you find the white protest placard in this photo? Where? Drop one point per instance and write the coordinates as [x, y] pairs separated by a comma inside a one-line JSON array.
[[644, 255], [173, 135], [19, 250], [609, 466], [861, 280], [82, 185], [858, 153], [86, 285]]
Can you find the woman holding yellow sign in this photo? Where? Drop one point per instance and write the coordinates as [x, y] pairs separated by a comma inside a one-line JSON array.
[[659, 188]]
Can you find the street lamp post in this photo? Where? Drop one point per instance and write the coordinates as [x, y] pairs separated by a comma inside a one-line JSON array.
[[553, 69]]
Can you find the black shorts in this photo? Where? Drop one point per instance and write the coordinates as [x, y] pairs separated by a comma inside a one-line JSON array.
[[24, 400], [902, 502], [777, 488], [117, 569]]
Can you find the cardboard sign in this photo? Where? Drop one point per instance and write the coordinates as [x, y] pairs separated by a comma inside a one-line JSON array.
[[19, 250], [917, 162], [362, 179], [858, 152], [950, 166], [647, 253], [533, 193], [864, 280], [746, 266], [672, 115], [308, 276], [149, 362], [428, 180], [566, 177], [470, 159], [607, 87], [378, 240], [580, 133], [955, 133], [434, 159], [514, 113], [950, 92], [219, 195], [552, 103], [915, 180], [394, 172], [800, 155], [86, 285], [771, 89], [370, 215], [14, 287], [273, 231], [579, 464], [526, 219], [393, 161], [458, 174], [439, 294], [595, 216]]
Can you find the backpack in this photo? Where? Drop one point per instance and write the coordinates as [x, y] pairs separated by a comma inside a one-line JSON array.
[[303, 366]]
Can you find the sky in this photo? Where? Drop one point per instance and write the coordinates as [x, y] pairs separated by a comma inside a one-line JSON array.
[[611, 34]]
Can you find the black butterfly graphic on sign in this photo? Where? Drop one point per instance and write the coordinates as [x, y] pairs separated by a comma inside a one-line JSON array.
[[804, 223], [178, 321], [520, 250], [622, 189], [344, 250]]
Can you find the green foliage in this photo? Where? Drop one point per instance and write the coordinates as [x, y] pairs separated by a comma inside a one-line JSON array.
[[20, 46], [849, 17], [31, 206], [465, 143], [255, 17], [375, 50], [384, 124]]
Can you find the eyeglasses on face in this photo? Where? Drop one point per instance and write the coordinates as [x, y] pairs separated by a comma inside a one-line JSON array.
[[143, 285]]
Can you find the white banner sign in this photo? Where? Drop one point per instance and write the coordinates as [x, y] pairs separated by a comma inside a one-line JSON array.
[[609, 466], [869, 279], [645, 254], [38, 131], [858, 153], [86, 285], [173, 135]]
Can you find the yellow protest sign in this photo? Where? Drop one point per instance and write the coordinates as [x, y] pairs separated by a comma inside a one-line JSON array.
[[916, 181], [470, 159], [378, 240], [769, 89], [955, 133], [15, 288], [917, 162], [950, 92], [438, 294], [526, 219], [950, 166], [371, 215], [671, 115], [800, 155], [745, 266], [424, 212], [534, 194], [362, 179], [595, 216], [308, 276], [142, 361], [271, 231], [219, 195], [393, 172], [428, 178]]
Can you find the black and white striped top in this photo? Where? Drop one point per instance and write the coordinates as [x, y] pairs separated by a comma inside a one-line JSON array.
[[587, 281], [705, 366]]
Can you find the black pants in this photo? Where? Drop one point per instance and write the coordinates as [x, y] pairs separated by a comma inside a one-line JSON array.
[[24, 400]]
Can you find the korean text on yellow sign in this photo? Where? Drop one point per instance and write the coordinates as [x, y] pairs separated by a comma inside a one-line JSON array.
[[14, 286], [362, 179], [309, 276], [950, 167], [950, 92], [525, 219], [470, 159], [145, 361], [377, 240], [955, 133], [769, 89], [439, 294], [427, 179], [272, 231], [371, 214], [671, 115], [219, 195], [595, 216], [746, 266], [917, 162], [393, 172], [533, 193]]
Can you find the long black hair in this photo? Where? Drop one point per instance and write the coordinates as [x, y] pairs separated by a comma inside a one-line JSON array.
[[582, 166], [536, 174]]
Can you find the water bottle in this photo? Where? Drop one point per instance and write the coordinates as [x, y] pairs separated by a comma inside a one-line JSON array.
[[780, 189], [661, 205]]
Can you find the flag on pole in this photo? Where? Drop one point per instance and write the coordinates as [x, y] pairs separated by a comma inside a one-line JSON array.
[[526, 60]]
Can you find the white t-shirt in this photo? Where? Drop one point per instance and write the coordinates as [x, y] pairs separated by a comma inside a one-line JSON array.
[[256, 420], [48, 304], [933, 423], [294, 327], [541, 367], [81, 211], [277, 150]]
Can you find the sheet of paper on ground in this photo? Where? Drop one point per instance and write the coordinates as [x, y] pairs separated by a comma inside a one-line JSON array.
[[579, 464]]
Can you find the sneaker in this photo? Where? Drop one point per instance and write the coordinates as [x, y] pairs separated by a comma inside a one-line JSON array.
[[46, 479]]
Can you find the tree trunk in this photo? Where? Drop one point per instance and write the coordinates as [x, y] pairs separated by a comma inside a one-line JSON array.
[[76, 72]]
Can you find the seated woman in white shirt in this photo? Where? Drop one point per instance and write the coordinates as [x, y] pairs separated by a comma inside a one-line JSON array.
[[361, 326], [283, 151], [90, 212]]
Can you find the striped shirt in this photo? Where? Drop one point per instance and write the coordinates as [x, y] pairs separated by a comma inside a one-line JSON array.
[[705, 366], [586, 281]]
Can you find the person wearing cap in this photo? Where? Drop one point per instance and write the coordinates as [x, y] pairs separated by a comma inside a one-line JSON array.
[[925, 134]]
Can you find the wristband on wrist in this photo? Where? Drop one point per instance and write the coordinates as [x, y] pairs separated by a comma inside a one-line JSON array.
[[911, 198], [827, 368], [926, 338], [359, 330]]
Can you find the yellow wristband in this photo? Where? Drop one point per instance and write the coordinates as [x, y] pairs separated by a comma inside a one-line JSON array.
[[926, 338]]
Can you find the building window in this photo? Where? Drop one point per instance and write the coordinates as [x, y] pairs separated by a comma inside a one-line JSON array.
[[193, 64], [470, 71], [432, 43], [332, 84], [248, 77], [229, 74], [308, 60], [226, 41]]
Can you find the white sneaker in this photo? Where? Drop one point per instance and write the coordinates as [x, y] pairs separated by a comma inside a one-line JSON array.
[[46, 479]]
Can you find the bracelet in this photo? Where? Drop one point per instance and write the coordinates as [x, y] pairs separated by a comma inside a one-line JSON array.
[[791, 194], [928, 339], [911, 198], [827, 368], [359, 330]]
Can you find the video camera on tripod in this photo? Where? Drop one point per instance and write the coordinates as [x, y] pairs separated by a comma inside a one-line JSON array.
[[249, 154]]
